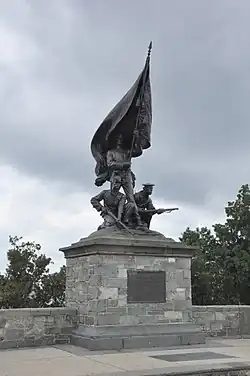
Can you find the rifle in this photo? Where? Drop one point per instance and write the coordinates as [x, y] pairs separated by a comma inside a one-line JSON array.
[[154, 211], [119, 222]]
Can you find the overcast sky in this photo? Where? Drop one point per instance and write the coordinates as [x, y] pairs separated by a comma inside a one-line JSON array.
[[65, 64]]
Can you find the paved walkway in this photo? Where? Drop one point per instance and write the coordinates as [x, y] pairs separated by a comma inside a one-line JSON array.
[[68, 360]]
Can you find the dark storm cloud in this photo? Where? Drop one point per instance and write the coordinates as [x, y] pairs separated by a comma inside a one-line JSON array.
[[81, 58]]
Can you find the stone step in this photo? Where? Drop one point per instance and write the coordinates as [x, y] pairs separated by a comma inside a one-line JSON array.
[[117, 338]]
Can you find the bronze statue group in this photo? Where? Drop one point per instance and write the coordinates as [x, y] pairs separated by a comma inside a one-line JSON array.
[[128, 210], [124, 134]]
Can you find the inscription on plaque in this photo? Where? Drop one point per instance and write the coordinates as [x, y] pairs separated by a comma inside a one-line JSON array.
[[146, 287]]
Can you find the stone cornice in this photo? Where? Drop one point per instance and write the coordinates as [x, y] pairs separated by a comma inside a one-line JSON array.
[[129, 246]]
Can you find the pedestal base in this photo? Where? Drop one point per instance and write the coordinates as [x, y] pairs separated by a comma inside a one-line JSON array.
[[137, 336], [131, 291]]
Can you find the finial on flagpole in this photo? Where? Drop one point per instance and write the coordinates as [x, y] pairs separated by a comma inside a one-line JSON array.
[[149, 49]]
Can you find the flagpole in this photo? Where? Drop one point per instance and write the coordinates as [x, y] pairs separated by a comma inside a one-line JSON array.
[[146, 67]]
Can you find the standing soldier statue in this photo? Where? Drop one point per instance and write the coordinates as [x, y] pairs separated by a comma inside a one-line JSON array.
[[119, 164]]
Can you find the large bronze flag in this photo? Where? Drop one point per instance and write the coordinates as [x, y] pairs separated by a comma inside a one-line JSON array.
[[133, 112]]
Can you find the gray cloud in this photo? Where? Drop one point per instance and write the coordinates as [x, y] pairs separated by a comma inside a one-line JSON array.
[[75, 60]]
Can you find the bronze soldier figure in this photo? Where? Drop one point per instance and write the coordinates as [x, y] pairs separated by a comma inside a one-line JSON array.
[[119, 164], [113, 203], [145, 205], [114, 209]]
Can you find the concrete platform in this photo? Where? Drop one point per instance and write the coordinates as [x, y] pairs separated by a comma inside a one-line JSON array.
[[218, 357]]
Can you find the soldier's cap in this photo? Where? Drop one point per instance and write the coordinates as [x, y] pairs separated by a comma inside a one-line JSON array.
[[148, 185]]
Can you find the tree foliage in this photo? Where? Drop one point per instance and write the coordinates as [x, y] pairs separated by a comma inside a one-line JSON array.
[[221, 265], [27, 281]]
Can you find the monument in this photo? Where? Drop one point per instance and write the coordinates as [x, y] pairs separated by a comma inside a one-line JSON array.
[[130, 284]]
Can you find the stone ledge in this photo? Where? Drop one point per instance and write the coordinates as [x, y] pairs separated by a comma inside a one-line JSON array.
[[135, 330], [107, 338], [214, 308], [139, 248], [109, 241], [24, 312], [140, 342], [32, 341]]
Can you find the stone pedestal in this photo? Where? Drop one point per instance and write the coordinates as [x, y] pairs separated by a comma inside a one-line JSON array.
[[121, 303]]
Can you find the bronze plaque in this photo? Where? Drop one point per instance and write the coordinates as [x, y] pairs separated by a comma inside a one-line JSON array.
[[146, 287]]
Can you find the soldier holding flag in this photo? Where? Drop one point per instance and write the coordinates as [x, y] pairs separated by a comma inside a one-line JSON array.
[[123, 135]]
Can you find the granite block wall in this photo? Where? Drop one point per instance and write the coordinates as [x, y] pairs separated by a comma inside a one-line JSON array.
[[25, 327], [97, 286], [225, 321]]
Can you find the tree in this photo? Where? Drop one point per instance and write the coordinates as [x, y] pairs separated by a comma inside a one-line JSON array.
[[204, 267], [234, 240], [221, 265], [27, 281]]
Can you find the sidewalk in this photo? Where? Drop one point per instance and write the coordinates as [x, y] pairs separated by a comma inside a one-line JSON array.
[[68, 360]]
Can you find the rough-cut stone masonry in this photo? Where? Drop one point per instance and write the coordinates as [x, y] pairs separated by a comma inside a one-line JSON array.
[[47, 326], [97, 286], [228, 321], [27, 327]]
